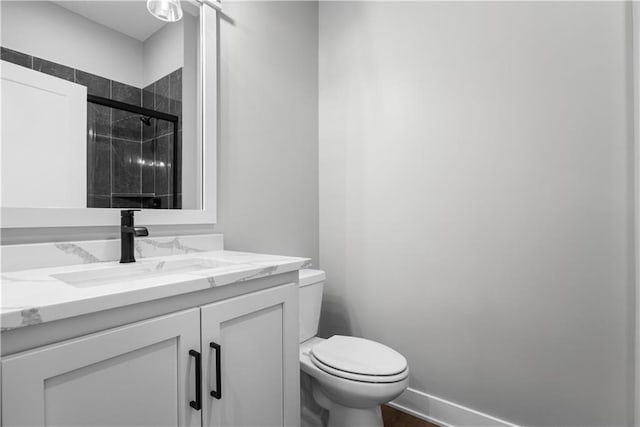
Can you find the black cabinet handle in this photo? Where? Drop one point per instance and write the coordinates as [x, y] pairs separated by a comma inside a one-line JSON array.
[[217, 393], [197, 404]]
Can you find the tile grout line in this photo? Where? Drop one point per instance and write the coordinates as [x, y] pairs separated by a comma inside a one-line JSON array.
[[110, 147], [141, 139]]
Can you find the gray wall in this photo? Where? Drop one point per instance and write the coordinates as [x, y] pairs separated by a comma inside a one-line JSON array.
[[40, 28], [476, 199], [268, 146]]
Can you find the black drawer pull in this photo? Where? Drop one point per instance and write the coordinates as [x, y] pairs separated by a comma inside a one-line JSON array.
[[217, 393], [197, 404]]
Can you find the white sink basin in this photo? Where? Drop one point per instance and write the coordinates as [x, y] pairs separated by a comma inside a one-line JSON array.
[[136, 271]]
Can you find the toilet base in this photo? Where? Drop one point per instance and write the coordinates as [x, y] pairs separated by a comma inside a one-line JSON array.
[[343, 416]]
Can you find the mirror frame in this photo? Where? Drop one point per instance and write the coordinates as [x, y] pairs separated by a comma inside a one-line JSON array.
[[15, 217]]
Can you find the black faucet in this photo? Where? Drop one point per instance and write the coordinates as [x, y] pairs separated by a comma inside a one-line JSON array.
[[127, 233]]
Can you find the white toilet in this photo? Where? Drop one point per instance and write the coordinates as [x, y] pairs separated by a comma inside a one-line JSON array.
[[351, 377]]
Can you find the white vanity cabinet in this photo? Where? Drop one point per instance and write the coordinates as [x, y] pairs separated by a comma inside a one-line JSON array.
[[148, 372], [132, 375], [251, 360]]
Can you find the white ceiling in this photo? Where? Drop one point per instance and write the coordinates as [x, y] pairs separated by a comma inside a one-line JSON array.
[[128, 17]]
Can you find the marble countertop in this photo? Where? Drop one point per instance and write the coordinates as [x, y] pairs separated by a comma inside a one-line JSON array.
[[30, 297]]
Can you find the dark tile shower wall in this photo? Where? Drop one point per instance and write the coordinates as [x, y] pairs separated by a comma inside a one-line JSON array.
[[164, 95], [130, 164]]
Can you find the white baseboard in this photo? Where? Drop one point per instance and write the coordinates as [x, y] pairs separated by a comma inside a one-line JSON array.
[[442, 412]]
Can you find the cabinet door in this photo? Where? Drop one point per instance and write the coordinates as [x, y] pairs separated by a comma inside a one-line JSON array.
[[37, 107], [136, 375], [257, 335]]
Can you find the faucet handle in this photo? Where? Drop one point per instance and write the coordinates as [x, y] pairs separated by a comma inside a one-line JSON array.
[[140, 231]]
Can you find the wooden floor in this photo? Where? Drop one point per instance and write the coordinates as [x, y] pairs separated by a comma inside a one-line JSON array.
[[394, 418]]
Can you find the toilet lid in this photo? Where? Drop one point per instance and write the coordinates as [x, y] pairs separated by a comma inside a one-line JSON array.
[[359, 356]]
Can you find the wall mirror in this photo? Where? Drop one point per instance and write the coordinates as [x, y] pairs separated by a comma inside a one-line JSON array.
[[105, 107]]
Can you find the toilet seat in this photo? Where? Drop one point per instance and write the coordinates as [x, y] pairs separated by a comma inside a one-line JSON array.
[[358, 377], [359, 359]]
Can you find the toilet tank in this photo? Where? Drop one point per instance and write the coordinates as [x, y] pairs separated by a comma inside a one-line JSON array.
[[310, 294]]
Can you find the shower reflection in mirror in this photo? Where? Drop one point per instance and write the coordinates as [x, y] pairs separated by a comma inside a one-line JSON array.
[[133, 149]]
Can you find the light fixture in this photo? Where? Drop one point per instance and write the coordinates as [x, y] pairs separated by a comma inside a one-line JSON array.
[[165, 10]]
